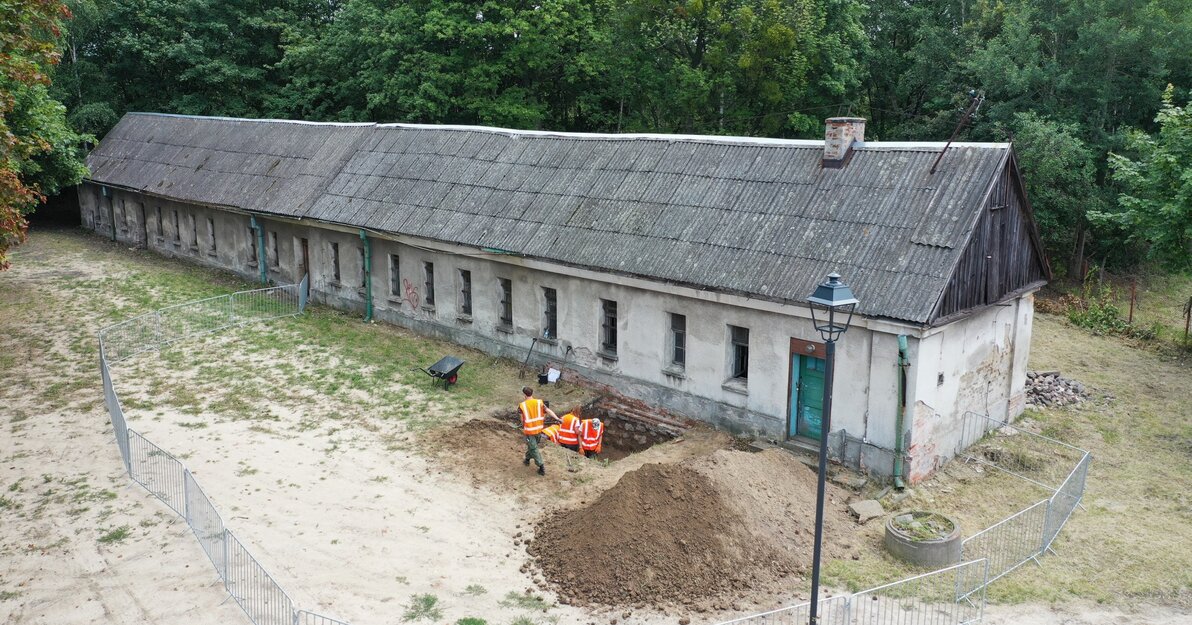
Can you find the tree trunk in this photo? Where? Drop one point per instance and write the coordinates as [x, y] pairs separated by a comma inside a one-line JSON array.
[[1076, 263]]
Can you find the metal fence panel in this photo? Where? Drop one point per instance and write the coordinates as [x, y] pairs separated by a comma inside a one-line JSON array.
[[191, 319], [115, 410], [206, 524], [1032, 457], [253, 588], [158, 471], [1010, 543], [954, 595], [1065, 500], [832, 611], [310, 618]]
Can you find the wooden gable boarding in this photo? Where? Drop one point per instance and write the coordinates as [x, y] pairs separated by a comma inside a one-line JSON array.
[[1003, 256]]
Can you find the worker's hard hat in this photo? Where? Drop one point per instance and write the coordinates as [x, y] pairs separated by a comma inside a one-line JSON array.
[[596, 422]]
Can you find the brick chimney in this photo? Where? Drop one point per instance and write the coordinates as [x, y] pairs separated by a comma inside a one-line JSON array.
[[839, 136]]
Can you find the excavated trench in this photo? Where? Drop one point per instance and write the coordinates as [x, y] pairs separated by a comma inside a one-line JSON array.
[[629, 426]]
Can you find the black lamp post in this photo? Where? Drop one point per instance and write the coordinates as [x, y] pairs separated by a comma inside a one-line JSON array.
[[831, 302]]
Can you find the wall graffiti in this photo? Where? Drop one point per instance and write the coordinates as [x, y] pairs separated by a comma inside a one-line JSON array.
[[411, 294]]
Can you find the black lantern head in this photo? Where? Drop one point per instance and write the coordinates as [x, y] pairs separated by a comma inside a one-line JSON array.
[[832, 305]]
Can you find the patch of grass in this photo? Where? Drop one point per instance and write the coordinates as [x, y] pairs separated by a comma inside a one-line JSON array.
[[523, 620], [8, 504], [471, 620], [115, 535], [193, 425], [475, 590], [422, 607], [524, 601], [6, 595], [245, 470]]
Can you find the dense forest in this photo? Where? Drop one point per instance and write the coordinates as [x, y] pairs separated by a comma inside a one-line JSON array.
[[1092, 92]]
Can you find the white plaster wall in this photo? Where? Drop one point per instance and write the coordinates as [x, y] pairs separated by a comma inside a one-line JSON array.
[[982, 358], [975, 364]]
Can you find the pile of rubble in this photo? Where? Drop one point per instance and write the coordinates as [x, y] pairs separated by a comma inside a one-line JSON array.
[[1050, 389]]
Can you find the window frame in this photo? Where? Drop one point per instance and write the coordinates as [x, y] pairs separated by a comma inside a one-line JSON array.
[[738, 353], [275, 261], [395, 289], [677, 340], [212, 247], [252, 246], [465, 292], [550, 313], [609, 317], [505, 303], [428, 282], [363, 274], [336, 274]]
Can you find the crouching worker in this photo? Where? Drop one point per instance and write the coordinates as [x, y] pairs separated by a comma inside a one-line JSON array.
[[567, 433], [533, 417], [591, 437]]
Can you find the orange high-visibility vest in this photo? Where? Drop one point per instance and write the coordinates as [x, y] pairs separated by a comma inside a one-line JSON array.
[[591, 436], [532, 414], [569, 432], [552, 433]]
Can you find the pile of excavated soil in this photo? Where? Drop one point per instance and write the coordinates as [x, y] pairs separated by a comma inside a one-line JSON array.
[[711, 527], [663, 533]]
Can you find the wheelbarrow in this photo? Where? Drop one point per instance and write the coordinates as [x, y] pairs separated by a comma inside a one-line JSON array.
[[447, 370]]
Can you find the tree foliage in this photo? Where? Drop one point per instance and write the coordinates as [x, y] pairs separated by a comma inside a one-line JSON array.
[[38, 150], [1155, 204], [1067, 80]]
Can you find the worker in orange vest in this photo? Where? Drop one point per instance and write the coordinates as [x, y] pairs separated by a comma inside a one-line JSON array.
[[533, 417], [591, 437], [568, 432]]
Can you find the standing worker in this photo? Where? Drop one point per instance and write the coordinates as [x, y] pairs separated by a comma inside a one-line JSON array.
[[591, 437], [533, 413]]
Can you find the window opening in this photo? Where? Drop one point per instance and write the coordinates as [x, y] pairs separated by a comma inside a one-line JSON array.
[[465, 292], [678, 342], [740, 352], [608, 326], [551, 329], [428, 272], [506, 301]]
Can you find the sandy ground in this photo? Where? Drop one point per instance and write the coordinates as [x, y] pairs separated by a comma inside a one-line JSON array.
[[62, 485], [352, 521]]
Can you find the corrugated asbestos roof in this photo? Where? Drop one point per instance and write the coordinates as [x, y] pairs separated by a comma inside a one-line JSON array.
[[757, 218]]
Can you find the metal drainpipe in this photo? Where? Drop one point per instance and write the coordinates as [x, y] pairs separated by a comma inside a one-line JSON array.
[[368, 303], [903, 363], [260, 247]]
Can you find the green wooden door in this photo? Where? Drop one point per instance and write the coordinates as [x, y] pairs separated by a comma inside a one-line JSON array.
[[809, 397]]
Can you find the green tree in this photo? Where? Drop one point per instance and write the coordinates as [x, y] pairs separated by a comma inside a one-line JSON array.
[[1060, 174], [735, 66], [37, 148], [518, 64], [200, 57], [1155, 204]]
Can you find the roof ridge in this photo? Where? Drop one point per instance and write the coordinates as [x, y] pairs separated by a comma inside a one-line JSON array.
[[609, 136]]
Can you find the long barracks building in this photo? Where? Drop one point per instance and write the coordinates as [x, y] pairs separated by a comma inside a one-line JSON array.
[[673, 267]]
